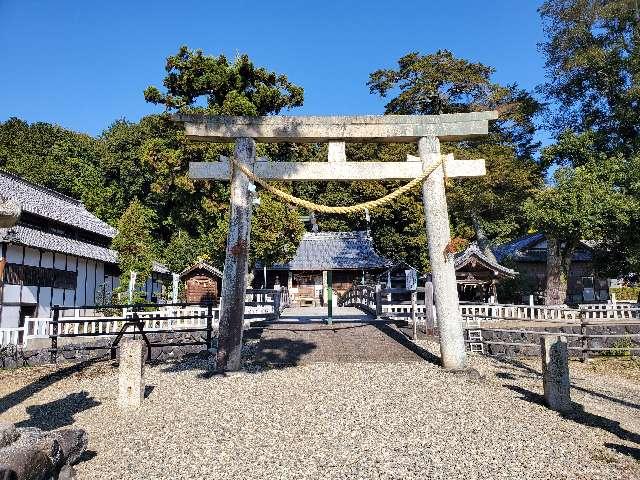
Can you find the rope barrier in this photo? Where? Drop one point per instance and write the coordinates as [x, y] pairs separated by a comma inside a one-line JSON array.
[[316, 207]]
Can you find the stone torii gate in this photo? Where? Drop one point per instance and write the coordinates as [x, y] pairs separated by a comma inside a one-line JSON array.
[[426, 130]]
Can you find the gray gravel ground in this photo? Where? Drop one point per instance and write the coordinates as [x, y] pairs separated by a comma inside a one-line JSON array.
[[339, 421]]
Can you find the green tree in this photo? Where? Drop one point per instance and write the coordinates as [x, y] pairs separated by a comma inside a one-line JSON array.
[[134, 243], [196, 207], [441, 83], [238, 88], [276, 230], [592, 52], [56, 158], [181, 251], [585, 203]]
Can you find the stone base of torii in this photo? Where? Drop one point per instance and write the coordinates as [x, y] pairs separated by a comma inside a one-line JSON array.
[[426, 130]]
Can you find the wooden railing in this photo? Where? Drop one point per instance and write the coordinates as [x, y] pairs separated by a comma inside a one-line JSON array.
[[375, 299], [595, 337], [164, 318], [364, 297], [11, 336]]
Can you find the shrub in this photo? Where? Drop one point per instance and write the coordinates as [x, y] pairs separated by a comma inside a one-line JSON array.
[[621, 348], [625, 293]]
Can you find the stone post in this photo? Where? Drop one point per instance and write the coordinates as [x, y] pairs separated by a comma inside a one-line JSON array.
[[452, 349], [414, 317], [277, 300], [131, 373], [555, 372], [428, 308], [234, 282]]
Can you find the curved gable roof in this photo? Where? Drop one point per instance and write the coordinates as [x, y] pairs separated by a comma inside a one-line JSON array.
[[336, 251], [520, 250], [474, 253]]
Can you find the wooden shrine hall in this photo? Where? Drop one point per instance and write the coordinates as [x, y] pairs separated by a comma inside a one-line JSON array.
[[478, 273]]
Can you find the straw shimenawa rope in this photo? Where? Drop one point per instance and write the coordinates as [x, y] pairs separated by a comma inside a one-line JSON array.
[[337, 209]]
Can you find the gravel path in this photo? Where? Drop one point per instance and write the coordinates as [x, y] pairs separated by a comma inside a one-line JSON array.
[[338, 421]]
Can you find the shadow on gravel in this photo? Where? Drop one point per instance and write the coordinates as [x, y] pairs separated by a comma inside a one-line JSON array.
[[625, 450], [515, 364], [58, 413], [19, 396], [520, 365], [579, 415], [396, 335], [281, 352]]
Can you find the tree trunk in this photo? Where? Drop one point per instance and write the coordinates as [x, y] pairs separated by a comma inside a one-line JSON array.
[[558, 267]]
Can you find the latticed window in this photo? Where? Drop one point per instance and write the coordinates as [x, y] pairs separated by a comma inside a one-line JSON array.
[[17, 274]]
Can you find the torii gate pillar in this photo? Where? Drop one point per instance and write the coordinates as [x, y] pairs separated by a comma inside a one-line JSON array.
[[234, 281], [452, 348]]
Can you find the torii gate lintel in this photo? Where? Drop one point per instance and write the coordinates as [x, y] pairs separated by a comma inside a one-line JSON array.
[[425, 130]]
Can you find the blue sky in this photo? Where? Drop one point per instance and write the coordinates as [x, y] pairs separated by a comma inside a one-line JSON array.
[[84, 64]]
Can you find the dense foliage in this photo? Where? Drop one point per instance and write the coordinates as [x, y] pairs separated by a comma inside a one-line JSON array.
[[135, 245], [592, 52]]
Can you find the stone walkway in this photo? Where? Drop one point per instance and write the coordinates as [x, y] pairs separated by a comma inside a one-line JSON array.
[[301, 337], [315, 314]]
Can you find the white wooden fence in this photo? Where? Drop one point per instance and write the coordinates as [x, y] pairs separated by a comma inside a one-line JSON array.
[[260, 303], [483, 313], [41, 327]]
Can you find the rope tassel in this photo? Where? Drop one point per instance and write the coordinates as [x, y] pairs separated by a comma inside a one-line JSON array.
[[316, 207]]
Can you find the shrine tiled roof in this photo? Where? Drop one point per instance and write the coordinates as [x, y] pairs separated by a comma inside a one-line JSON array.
[[336, 251], [48, 203], [532, 248]]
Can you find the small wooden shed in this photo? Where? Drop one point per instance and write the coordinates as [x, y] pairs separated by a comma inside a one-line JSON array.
[[202, 281]]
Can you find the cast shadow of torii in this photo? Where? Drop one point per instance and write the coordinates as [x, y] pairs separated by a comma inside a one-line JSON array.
[[581, 416], [58, 413]]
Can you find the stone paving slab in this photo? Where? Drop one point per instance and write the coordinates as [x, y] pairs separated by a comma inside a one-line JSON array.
[[286, 344], [310, 314]]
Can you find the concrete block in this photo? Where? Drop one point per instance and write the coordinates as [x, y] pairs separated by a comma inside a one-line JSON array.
[[131, 373], [555, 372]]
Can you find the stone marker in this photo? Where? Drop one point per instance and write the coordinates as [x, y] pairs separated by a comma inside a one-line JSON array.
[[555, 372], [131, 373]]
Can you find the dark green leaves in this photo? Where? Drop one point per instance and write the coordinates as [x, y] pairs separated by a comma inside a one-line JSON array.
[[207, 84]]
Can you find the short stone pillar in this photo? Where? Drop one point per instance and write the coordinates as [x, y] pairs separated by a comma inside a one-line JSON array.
[[131, 373], [555, 372]]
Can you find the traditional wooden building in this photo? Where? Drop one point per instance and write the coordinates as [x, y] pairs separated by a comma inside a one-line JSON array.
[[202, 282], [57, 253], [528, 255], [349, 256], [478, 273]]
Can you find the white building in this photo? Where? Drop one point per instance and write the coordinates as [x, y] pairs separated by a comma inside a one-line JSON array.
[[57, 254]]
